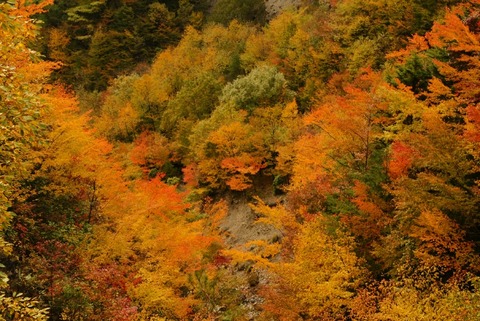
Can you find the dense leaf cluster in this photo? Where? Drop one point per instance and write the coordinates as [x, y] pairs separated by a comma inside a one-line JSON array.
[[361, 117]]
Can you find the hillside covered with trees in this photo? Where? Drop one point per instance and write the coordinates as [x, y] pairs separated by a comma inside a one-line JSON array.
[[215, 160]]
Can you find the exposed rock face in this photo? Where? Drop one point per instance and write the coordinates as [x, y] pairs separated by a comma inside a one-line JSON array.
[[239, 226]]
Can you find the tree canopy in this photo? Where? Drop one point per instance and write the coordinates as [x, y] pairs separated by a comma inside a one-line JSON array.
[[197, 160]]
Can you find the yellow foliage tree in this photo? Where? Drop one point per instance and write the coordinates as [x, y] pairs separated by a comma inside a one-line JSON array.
[[234, 159], [22, 134]]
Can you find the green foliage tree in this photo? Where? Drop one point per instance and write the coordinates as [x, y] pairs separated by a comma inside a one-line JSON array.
[[263, 86], [298, 43], [185, 82], [370, 29], [118, 119], [224, 11], [131, 31], [194, 101]]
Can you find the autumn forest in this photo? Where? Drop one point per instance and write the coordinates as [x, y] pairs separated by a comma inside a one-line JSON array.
[[221, 160]]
